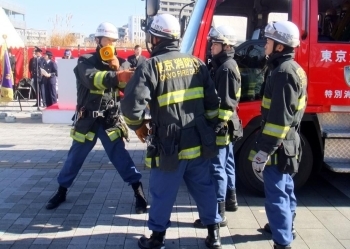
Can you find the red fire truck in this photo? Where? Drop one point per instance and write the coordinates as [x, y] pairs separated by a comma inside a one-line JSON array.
[[324, 54]]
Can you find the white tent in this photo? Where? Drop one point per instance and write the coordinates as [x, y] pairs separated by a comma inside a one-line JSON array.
[[6, 28]]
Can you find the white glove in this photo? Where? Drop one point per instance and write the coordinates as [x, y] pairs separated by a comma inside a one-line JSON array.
[[260, 160]]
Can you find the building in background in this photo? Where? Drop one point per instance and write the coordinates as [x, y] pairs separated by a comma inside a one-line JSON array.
[[123, 33], [173, 7], [136, 35], [34, 37], [16, 14]]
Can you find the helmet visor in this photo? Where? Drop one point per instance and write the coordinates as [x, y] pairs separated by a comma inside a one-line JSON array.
[[272, 33], [215, 35]]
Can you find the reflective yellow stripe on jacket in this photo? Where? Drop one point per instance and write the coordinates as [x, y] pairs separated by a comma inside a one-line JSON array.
[[98, 80], [79, 137], [225, 114], [238, 94], [185, 154], [275, 130], [132, 122], [272, 160], [266, 103], [180, 96], [209, 114]]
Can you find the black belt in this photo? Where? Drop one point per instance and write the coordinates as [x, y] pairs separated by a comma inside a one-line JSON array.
[[94, 114]]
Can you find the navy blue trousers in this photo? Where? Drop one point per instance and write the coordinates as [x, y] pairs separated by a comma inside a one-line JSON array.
[[164, 186], [115, 150], [280, 204], [223, 171]]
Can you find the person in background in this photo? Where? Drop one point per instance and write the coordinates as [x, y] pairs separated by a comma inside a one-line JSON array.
[[67, 54], [13, 62], [49, 80], [36, 75], [136, 59]]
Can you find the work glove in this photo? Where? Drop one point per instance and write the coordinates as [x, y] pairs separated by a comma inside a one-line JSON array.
[[221, 129], [260, 160], [124, 76], [143, 131], [114, 64]]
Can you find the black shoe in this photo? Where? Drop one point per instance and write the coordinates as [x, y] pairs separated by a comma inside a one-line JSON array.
[[36, 105], [141, 203], [57, 199], [198, 224], [155, 242], [267, 229], [213, 240], [231, 200], [277, 246]]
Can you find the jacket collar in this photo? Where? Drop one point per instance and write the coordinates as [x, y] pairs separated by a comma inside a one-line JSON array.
[[221, 57], [277, 58], [165, 47]]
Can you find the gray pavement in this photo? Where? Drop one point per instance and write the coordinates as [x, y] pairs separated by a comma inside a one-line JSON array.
[[99, 211]]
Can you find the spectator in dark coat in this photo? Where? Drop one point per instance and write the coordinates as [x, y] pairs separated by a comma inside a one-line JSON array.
[[136, 59], [49, 79]]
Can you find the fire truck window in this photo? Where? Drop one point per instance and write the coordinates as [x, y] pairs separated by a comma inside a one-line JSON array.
[[251, 61], [334, 21]]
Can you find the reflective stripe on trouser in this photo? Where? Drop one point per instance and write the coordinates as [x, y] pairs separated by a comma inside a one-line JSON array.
[[280, 204], [115, 151], [164, 185], [223, 171]]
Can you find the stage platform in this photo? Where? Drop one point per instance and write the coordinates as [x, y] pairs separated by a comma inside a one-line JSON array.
[[55, 115]]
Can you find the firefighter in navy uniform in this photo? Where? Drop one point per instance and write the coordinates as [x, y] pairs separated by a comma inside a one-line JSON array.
[[227, 80], [98, 116], [184, 110], [278, 145]]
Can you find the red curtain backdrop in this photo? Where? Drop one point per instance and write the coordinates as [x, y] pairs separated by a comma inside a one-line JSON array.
[[23, 55]]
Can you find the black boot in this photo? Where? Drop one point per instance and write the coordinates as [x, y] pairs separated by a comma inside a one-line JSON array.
[[57, 199], [141, 203], [221, 210], [213, 240], [277, 246], [267, 228], [155, 242], [231, 200]]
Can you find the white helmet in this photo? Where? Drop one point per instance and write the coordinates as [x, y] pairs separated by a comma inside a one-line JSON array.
[[223, 34], [107, 29], [165, 26], [284, 32]]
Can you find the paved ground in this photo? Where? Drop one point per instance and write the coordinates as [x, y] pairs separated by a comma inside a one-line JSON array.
[[99, 209]]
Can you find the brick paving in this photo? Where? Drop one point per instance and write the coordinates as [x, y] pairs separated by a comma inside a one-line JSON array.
[[99, 211]]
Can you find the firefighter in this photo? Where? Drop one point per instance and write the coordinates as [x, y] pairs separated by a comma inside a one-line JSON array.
[[98, 116], [184, 110], [278, 145], [227, 80]]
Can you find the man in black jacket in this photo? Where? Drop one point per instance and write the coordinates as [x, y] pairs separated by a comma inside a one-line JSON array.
[[184, 110], [227, 80], [136, 59], [98, 116], [37, 76], [278, 143]]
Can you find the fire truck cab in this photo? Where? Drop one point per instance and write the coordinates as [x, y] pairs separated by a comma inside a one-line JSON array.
[[324, 53]]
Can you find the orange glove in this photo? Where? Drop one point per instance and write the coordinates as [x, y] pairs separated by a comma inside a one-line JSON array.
[[114, 64], [142, 132], [124, 76]]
